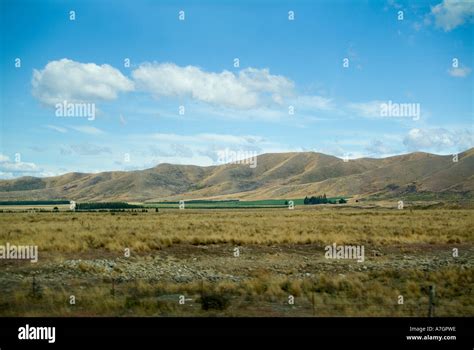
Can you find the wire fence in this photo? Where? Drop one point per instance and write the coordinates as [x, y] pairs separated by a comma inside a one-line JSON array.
[[126, 297]]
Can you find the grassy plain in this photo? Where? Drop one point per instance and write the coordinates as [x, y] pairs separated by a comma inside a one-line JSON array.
[[239, 262]]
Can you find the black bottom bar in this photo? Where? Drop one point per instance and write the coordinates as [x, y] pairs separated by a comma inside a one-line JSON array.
[[409, 332]]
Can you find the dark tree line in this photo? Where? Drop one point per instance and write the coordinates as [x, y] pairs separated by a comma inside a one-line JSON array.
[[34, 202], [322, 200], [110, 205]]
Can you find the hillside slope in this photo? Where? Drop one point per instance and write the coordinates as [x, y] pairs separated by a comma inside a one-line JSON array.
[[277, 175]]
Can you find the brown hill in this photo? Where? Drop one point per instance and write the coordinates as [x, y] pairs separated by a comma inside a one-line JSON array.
[[278, 175]]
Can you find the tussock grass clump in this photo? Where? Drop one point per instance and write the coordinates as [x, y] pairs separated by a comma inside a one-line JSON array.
[[354, 294], [214, 301], [66, 232]]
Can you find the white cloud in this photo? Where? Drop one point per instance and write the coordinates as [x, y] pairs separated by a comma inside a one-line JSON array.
[[452, 13], [173, 150], [223, 138], [307, 102], [84, 149], [9, 169], [85, 129], [250, 93], [248, 89], [369, 109], [210, 138], [67, 80], [438, 139], [200, 149], [379, 148], [19, 167], [91, 130], [459, 72], [268, 113], [388, 109], [57, 128], [87, 149], [394, 4]]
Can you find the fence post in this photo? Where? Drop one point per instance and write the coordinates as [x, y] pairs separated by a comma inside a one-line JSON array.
[[36, 292], [112, 291], [431, 306], [33, 287]]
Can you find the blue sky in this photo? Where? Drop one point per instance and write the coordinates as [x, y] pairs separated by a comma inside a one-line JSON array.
[[399, 54]]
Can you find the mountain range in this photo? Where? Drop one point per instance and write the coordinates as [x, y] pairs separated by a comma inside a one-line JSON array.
[[277, 175]]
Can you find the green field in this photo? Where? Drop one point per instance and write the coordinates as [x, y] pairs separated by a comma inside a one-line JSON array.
[[231, 204], [191, 204]]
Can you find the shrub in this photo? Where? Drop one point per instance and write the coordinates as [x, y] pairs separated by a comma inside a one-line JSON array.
[[214, 301], [106, 205]]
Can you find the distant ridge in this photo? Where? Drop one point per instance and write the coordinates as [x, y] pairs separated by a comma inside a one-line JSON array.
[[277, 175]]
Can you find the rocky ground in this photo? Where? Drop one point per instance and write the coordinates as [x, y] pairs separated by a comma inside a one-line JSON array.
[[187, 263]]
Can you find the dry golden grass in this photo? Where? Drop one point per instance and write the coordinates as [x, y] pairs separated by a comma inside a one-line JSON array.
[[323, 295], [75, 232], [262, 292]]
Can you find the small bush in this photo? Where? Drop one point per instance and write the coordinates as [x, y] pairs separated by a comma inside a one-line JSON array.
[[214, 301]]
